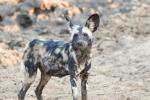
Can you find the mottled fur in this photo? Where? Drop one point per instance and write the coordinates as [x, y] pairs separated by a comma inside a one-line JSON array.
[[57, 58]]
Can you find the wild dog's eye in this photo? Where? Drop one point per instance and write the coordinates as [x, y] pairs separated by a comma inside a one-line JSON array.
[[85, 34], [75, 35]]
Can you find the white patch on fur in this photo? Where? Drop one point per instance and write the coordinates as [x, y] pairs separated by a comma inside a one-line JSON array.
[[64, 55], [74, 92], [57, 50], [86, 30], [73, 54], [74, 30]]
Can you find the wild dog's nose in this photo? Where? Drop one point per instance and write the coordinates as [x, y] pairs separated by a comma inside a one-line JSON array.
[[80, 44]]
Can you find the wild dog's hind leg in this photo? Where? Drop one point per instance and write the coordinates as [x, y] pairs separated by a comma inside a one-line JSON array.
[[84, 78], [28, 80], [44, 79]]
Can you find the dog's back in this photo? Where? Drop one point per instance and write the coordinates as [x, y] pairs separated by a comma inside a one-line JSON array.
[[50, 56]]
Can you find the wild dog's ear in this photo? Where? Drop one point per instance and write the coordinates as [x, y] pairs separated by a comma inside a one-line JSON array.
[[93, 22], [68, 19]]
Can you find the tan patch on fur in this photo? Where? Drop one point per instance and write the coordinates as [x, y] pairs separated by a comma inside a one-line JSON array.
[[64, 55]]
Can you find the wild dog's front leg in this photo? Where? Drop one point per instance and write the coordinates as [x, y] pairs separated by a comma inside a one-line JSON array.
[[73, 82], [84, 78], [72, 65], [74, 87], [84, 86]]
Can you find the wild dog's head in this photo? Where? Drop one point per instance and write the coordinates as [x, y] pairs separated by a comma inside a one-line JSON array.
[[81, 36]]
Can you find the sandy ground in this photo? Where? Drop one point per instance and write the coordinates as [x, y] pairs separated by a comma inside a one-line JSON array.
[[123, 75], [121, 53]]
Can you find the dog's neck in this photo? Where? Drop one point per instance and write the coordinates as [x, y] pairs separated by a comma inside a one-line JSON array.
[[82, 54]]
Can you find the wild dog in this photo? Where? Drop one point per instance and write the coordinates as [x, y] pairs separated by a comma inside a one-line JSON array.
[[59, 59]]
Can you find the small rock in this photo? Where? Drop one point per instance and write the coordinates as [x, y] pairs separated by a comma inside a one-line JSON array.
[[24, 20]]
